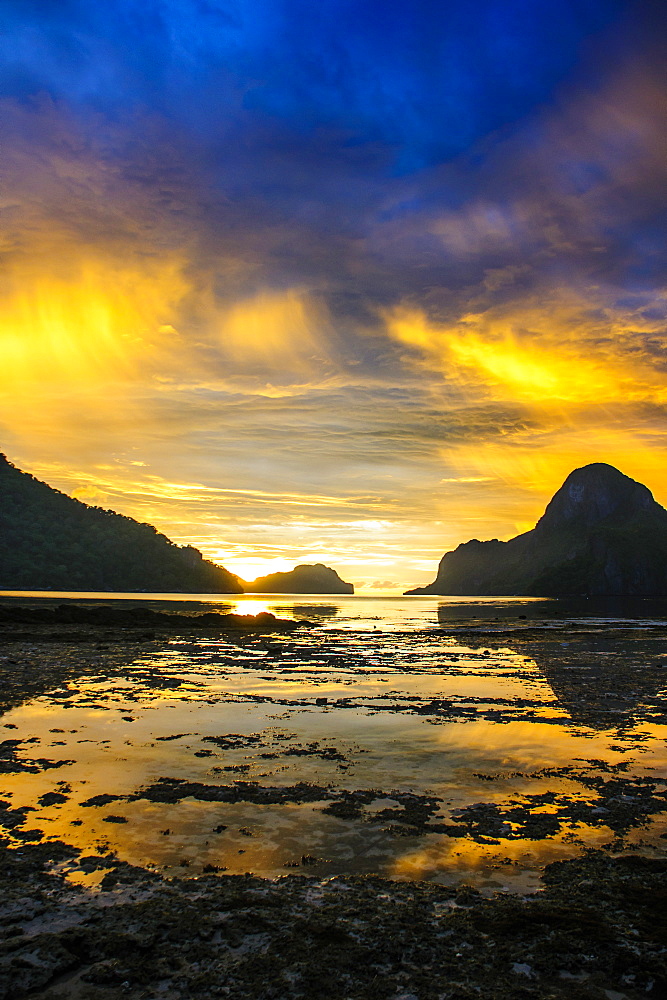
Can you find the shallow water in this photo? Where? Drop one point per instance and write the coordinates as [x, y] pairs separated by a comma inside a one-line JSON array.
[[448, 739]]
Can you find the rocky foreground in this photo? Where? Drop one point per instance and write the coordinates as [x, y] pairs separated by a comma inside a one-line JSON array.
[[131, 619], [87, 926], [597, 930]]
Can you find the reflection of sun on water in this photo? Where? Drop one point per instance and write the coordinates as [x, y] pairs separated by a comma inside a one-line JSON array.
[[251, 607]]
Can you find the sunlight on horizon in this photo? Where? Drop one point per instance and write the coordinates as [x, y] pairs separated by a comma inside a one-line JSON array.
[[303, 348], [251, 568]]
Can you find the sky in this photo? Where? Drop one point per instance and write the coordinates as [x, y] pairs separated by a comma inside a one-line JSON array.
[[348, 281]]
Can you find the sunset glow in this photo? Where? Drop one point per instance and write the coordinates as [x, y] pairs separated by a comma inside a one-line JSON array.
[[266, 289]]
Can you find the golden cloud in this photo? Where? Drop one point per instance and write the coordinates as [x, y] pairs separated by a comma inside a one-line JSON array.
[[547, 353], [104, 321], [575, 367], [280, 333]]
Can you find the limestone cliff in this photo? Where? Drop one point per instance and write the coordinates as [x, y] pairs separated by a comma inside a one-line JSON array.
[[601, 534]]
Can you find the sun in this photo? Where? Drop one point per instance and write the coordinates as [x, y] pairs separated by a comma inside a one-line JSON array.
[[251, 568]]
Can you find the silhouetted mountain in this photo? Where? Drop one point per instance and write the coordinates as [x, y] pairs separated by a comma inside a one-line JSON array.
[[317, 579], [49, 541], [601, 534]]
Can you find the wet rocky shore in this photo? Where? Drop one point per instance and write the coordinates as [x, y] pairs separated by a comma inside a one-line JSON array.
[[131, 619], [597, 930], [81, 921]]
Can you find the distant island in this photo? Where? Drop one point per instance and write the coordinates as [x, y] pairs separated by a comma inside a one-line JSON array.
[[49, 541], [305, 579], [602, 534]]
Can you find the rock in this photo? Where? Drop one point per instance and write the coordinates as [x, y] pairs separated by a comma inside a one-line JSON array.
[[130, 619], [602, 534], [51, 798], [304, 579]]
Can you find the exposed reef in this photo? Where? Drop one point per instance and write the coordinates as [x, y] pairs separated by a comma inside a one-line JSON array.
[[596, 930], [84, 917], [142, 618]]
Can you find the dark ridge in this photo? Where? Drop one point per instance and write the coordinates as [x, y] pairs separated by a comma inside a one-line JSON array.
[[602, 534], [49, 541], [142, 618]]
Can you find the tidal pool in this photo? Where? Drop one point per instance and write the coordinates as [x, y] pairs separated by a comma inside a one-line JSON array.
[[417, 738]]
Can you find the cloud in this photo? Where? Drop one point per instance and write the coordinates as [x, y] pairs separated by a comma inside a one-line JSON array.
[[274, 273], [566, 350], [280, 336]]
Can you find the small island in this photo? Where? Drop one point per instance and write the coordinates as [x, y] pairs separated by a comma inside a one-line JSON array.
[[304, 579]]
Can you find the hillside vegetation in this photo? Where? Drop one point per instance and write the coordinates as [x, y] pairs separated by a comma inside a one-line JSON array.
[[49, 541]]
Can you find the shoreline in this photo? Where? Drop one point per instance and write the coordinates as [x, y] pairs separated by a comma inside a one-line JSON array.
[[595, 931]]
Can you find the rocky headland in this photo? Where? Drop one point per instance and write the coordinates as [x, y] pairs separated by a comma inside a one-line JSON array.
[[49, 541], [602, 534]]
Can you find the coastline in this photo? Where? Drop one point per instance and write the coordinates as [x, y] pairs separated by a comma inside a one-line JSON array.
[[84, 924]]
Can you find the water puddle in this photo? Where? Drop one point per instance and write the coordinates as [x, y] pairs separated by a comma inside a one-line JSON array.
[[452, 743]]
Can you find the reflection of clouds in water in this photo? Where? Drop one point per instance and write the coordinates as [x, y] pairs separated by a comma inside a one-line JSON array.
[[457, 855], [514, 744], [601, 657], [164, 711]]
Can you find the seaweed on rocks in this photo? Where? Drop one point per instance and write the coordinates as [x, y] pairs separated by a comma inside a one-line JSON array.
[[11, 763], [597, 928], [176, 789]]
